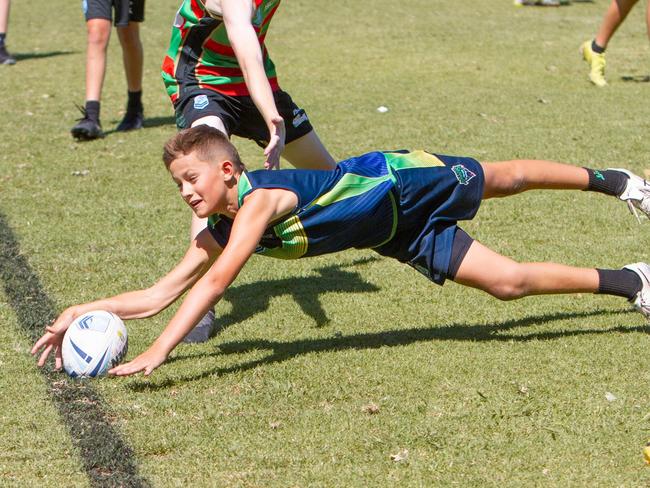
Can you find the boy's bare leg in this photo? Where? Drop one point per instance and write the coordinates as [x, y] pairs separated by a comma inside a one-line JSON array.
[[132, 55], [614, 17], [4, 15], [507, 279], [308, 152], [5, 57], [511, 177], [99, 33]]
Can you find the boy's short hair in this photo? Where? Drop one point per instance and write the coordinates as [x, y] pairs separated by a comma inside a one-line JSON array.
[[210, 144]]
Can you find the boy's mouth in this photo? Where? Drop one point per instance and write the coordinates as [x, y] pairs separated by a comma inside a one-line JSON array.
[[195, 203]]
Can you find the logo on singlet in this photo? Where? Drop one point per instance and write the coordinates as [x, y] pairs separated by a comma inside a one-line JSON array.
[[200, 102], [463, 175]]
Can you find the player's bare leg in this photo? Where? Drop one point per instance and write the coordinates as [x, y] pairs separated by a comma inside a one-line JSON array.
[[98, 35], [5, 57], [511, 177], [308, 152], [614, 17], [132, 57], [507, 279], [507, 178]]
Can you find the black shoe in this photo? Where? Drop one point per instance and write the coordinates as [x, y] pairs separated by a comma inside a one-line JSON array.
[[5, 57], [132, 120], [86, 129]]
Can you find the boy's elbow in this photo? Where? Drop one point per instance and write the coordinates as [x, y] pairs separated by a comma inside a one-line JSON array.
[[216, 287]]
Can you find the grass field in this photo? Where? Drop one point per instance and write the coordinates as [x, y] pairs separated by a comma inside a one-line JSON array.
[[328, 367]]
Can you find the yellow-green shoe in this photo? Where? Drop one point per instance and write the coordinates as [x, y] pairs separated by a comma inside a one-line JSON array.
[[596, 63]]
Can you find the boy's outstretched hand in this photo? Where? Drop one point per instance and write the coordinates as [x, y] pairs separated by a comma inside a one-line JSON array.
[[275, 146], [52, 339], [147, 362]]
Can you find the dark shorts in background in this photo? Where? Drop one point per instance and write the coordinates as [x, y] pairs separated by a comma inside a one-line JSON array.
[[240, 115], [125, 10], [431, 202]]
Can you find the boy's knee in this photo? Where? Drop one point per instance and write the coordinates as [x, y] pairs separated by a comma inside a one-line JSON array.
[[129, 37], [98, 36], [510, 285], [517, 177]]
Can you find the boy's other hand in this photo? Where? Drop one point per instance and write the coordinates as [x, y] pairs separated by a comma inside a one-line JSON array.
[[53, 338], [147, 362], [275, 146]]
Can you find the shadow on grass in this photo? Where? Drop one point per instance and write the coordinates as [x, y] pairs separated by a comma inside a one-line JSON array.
[[251, 299], [149, 123], [636, 78], [282, 351], [48, 54]]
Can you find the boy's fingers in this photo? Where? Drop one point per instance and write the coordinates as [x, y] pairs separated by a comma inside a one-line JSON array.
[[44, 354], [125, 369], [40, 343], [58, 359]]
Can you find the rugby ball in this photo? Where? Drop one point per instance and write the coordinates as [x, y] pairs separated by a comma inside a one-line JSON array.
[[93, 344]]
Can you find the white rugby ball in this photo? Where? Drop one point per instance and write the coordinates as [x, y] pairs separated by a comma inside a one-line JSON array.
[[94, 343]]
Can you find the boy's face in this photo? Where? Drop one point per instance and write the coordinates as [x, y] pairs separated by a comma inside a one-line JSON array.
[[203, 185]]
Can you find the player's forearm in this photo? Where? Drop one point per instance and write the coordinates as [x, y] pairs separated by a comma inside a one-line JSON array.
[[249, 57], [199, 300], [131, 305]]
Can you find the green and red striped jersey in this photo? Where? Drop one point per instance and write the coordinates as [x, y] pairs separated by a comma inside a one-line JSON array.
[[201, 56]]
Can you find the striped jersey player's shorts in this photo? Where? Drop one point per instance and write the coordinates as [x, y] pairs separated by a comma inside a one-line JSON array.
[[239, 114]]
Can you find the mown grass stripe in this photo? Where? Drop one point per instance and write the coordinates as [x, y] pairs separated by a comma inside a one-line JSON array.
[[106, 457]]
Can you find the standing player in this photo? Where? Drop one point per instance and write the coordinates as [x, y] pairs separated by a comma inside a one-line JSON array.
[[99, 14], [218, 72], [5, 57], [593, 52]]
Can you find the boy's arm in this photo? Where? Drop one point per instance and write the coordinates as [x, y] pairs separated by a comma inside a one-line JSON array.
[[136, 304], [261, 207], [237, 16]]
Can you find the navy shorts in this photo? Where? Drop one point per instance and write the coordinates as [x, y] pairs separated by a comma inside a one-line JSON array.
[[125, 10], [431, 202], [240, 115]]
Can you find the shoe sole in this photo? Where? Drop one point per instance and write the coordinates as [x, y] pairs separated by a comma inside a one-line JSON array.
[[128, 129], [83, 135]]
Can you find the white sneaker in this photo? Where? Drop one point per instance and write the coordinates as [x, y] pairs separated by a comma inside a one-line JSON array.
[[636, 193], [203, 330], [642, 299]]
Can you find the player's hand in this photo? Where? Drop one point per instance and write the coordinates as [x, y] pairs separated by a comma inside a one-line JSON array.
[[53, 338], [147, 362], [275, 146]]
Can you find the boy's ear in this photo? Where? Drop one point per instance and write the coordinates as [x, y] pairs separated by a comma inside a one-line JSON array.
[[228, 169]]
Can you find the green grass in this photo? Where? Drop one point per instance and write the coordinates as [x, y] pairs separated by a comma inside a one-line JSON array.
[[479, 392]]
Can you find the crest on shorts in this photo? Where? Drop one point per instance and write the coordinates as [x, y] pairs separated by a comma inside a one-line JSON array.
[[299, 116], [200, 102], [463, 175]]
